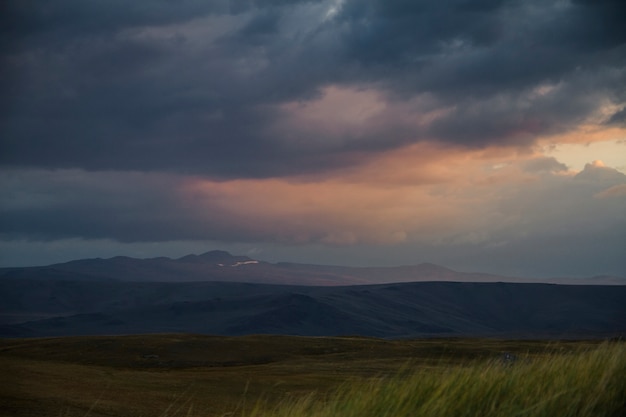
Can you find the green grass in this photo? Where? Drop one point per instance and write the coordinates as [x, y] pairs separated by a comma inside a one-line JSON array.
[[591, 383], [259, 376]]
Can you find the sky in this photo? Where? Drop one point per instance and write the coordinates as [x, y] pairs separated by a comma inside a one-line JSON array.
[[479, 135]]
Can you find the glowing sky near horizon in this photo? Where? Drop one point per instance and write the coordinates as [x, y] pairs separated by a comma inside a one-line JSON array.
[[612, 153], [355, 132]]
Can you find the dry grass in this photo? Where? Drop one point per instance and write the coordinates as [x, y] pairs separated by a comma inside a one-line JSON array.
[[587, 384], [219, 376]]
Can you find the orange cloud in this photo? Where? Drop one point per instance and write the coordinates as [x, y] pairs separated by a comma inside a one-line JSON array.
[[584, 134], [423, 192], [342, 115], [615, 191]]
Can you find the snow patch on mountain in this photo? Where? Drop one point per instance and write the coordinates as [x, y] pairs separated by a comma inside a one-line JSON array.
[[239, 263]]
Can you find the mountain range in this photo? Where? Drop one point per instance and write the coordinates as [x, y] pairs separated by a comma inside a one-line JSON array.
[[222, 266], [218, 293]]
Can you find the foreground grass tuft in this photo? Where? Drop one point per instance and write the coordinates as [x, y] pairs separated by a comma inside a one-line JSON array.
[[587, 384]]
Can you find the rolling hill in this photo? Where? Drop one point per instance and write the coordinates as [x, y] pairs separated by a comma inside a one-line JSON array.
[[35, 308]]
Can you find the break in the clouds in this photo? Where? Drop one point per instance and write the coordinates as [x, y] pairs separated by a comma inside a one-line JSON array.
[[411, 127]]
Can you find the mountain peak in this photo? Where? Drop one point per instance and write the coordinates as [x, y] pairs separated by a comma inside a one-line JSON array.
[[215, 257]]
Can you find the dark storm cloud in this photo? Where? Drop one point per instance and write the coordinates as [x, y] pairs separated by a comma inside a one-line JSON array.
[[618, 118], [77, 17], [486, 62], [128, 207], [405, 33], [482, 47], [191, 86]]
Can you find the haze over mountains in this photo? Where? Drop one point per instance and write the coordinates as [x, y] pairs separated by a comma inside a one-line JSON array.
[[222, 266], [218, 293]]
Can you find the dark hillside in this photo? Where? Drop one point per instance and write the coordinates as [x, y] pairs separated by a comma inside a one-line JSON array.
[[57, 308]]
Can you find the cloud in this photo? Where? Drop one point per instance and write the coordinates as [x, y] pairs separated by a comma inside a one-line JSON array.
[[618, 118], [154, 207], [615, 191], [541, 164], [435, 202], [199, 88], [598, 173]]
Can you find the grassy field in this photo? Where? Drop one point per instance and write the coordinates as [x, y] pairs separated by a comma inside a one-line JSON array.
[[254, 376]]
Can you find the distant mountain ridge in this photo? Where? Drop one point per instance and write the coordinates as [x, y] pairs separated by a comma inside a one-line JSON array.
[[220, 265]]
